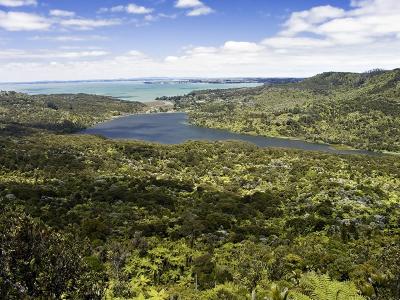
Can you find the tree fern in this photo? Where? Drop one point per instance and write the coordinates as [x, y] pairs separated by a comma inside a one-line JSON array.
[[321, 287], [276, 293]]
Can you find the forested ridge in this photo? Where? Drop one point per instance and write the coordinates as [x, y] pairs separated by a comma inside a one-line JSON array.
[[63, 113], [357, 110], [83, 217]]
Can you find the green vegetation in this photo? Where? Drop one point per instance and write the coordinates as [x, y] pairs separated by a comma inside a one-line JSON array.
[[83, 217], [21, 113], [358, 110]]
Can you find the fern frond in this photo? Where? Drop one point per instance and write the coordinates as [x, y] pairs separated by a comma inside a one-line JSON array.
[[321, 287]]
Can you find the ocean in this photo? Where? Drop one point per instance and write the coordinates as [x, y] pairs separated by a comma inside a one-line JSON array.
[[143, 91]]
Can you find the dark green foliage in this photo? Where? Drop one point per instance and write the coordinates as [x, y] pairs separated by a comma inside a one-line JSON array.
[[85, 217], [310, 211], [37, 262], [58, 113], [358, 110]]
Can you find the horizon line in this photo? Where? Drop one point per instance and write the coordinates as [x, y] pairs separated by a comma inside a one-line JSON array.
[[149, 78]]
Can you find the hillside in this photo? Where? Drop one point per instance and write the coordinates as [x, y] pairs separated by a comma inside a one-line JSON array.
[[58, 113], [83, 217], [357, 110]]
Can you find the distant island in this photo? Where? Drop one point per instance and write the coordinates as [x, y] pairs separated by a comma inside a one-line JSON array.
[[152, 80]]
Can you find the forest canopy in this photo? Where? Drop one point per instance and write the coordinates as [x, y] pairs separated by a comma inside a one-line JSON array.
[[83, 217], [357, 110]]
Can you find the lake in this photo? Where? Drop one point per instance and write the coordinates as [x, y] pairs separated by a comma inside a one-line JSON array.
[[173, 128], [143, 91]]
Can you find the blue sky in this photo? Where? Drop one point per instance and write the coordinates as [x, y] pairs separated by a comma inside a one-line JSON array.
[[71, 39]]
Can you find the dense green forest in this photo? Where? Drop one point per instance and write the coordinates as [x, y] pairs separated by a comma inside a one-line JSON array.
[[58, 113], [357, 110], [83, 217]]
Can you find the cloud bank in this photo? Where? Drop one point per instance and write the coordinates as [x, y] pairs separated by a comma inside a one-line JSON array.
[[18, 3], [323, 38], [196, 7]]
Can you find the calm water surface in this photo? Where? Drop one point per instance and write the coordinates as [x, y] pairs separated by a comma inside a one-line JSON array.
[[126, 90], [173, 128]]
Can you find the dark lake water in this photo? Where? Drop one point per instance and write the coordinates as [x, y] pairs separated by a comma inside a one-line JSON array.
[[173, 128]]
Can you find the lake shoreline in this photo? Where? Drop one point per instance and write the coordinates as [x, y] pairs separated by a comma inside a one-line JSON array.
[[166, 127], [303, 139]]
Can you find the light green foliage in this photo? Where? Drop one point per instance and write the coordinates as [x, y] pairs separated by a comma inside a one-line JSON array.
[[21, 113], [163, 264], [201, 220], [220, 212], [321, 287], [247, 262], [358, 110], [276, 293]]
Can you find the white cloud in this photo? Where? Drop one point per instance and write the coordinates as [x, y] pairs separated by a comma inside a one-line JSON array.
[[366, 22], [135, 53], [61, 13], [81, 48], [46, 54], [200, 11], [157, 17], [197, 8], [80, 54], [204, 61], [119, 8], [19, 21], [295, 42], [188, 3], [150, 18], [242, 47], [87, 24], [131, 8], [167, 16], [17, 3], [363, 37], [69, 38], [135, 9], [305, 20], [374, 6]]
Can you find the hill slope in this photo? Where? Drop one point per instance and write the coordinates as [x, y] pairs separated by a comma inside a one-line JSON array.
[[83, 217], [358, 110], [62, 113]]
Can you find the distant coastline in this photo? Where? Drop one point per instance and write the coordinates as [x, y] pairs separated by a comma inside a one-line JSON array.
[[152, 80], [134, 90]]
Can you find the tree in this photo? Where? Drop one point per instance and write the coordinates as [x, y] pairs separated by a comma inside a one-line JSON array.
[[321, 287], [247, 263], [276, 293], [40, 263]]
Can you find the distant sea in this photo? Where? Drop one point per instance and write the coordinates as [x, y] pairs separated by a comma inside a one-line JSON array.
[[143, 91]]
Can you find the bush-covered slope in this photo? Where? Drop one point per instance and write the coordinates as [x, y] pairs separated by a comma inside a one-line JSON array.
[[59, 113], [83, 217], [358, 110], [227, 217]]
